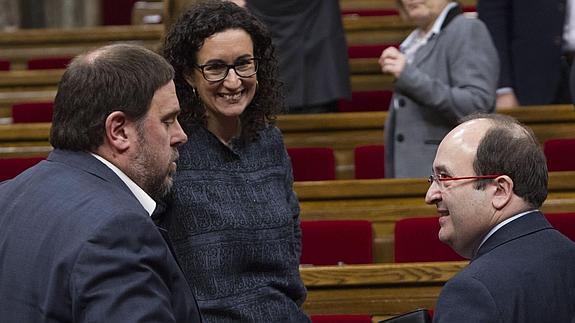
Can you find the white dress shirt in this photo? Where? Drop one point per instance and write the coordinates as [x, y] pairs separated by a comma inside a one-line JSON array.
[[147, 202]]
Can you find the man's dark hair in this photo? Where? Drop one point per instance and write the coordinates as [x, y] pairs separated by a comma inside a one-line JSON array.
[[117, 77], [184, 41], [509, 148]]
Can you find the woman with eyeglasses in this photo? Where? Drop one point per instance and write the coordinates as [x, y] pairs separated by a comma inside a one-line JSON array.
[[233, 217]]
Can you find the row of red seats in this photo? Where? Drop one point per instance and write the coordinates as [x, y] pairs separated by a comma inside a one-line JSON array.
[[318, 163], [45, 63], [361, 102], [416, 238]]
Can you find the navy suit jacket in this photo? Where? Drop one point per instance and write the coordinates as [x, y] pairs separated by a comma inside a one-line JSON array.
[[528, 35], [77, 246], [524, 273]]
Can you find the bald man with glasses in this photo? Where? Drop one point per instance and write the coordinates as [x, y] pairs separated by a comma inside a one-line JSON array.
[[489, 180]]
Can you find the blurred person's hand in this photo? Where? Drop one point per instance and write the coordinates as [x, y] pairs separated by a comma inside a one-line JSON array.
[[392, 61]]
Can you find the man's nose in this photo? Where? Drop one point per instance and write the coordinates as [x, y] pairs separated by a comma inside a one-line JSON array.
[[433, 194]]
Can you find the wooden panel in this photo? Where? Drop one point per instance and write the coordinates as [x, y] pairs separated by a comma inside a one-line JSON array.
[[364, 66], [379, 4], [381, 289]]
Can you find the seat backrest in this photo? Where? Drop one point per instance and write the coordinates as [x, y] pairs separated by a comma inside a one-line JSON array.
[[4, 65], [336, 241], [48, 63], [416, 240], [362, 101], [563, 222], [369, 161], [560, 154], [312, 163], [11, 167], [117, 12], [32, 112], [341, 318], [368, 51]]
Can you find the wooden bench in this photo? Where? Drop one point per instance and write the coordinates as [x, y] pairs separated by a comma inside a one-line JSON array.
[[341, 131], [383, 4], [381, 290], [18, 46], [384, 201], [16, 84], [344, 131]]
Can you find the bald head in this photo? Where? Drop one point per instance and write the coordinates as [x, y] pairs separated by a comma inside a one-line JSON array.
[[502, 145]]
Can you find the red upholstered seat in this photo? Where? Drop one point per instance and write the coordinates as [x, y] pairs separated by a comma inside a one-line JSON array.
[[32, 112], [312, 163], [341, 318], [4, 65], [117, 12], [564, 223], [416, 241], [48, 63], [368, 51], [334, 242], [11, 167], [366, 101], [369, 161], [560, 154]]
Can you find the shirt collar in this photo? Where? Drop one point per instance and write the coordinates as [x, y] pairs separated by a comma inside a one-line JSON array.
[[435, 29], [145, 200], [500, 225]]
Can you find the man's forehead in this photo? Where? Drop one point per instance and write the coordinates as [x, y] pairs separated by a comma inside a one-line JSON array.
[[460, 145]]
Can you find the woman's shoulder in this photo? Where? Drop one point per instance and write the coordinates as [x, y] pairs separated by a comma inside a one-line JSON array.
[[271, 133], [464, 24]]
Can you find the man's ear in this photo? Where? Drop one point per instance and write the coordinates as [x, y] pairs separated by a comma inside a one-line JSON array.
[[118, 131], [503, 191]]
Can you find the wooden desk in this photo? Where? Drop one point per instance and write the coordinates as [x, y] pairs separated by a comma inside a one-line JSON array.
[[381, 290]]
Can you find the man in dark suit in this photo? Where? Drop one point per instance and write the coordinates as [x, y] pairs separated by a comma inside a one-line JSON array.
[[77, 241], [529, 36], [489, 179]]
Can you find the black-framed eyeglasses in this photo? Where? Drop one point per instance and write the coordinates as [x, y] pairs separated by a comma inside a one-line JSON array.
[[439, 178], [215, 72]]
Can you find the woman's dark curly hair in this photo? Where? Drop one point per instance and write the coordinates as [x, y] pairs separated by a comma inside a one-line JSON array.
[[185, 39]]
